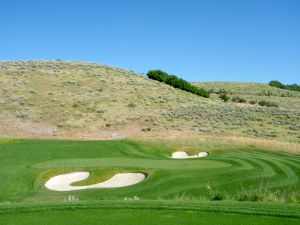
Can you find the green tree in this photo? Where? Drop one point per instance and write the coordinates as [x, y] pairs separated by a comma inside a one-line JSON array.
[[276, 83], [177, 82], [157, 75]]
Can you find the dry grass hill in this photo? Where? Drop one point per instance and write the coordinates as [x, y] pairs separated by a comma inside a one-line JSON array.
[[62, 99]]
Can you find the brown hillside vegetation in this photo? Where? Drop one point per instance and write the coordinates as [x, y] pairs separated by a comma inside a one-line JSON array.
[[62, 99]]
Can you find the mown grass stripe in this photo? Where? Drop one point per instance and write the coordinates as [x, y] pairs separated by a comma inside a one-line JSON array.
[[275, 210]]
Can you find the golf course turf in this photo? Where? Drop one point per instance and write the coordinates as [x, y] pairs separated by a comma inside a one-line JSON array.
[[140, 216], [252, 186]]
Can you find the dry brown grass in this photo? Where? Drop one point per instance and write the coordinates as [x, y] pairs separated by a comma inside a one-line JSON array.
[[76, 100], [217, 143]]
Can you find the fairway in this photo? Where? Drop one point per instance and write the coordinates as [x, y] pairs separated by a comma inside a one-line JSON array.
[[199, 189], [141, 216]]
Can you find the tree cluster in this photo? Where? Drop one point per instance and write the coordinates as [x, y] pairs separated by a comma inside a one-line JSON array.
[[177, 82], [278, 84]]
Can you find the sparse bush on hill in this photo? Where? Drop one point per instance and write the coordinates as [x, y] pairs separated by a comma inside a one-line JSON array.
[[176, 82], [223, 91], [238, 99], [20, 114], [224, 95], [131, 105], [278, 84], [267, 93], [268, 103]]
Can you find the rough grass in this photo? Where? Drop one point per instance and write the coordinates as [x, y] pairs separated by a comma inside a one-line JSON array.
[[193, 143], [86, 100]]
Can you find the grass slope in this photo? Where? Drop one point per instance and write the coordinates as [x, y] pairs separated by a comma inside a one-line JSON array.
[[255, 92], [74, 99]]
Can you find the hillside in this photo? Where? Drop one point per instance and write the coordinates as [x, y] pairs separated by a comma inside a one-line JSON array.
[[61, 99], [256, 92]]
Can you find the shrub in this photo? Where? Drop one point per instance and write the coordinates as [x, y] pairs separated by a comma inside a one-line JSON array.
[[252, 102], [278, 84], [177, 82], [293, 87], [146, 129], [223, 91], [157, 75], [131, 105], [225, 97], [266, 93], [20, 114], [238, 99], [268, 103]]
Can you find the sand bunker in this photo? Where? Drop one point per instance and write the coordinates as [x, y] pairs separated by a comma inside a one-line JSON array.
[[202, 154], [184, 155], [64, 182]]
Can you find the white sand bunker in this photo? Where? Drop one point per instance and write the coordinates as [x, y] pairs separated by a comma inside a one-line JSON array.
[[64, 182], [184, 155]]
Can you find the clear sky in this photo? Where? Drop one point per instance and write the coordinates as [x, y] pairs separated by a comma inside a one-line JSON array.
[[200, 40]]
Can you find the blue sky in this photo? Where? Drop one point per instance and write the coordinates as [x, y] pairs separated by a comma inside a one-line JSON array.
[[209, 40]]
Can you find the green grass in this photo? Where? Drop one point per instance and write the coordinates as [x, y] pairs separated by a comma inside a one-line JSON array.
[[131, 217], [175, 191], [150, 212], [26, 165], [141, 216]]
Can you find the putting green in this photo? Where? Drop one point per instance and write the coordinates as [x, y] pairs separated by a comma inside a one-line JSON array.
[[127, 162]]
